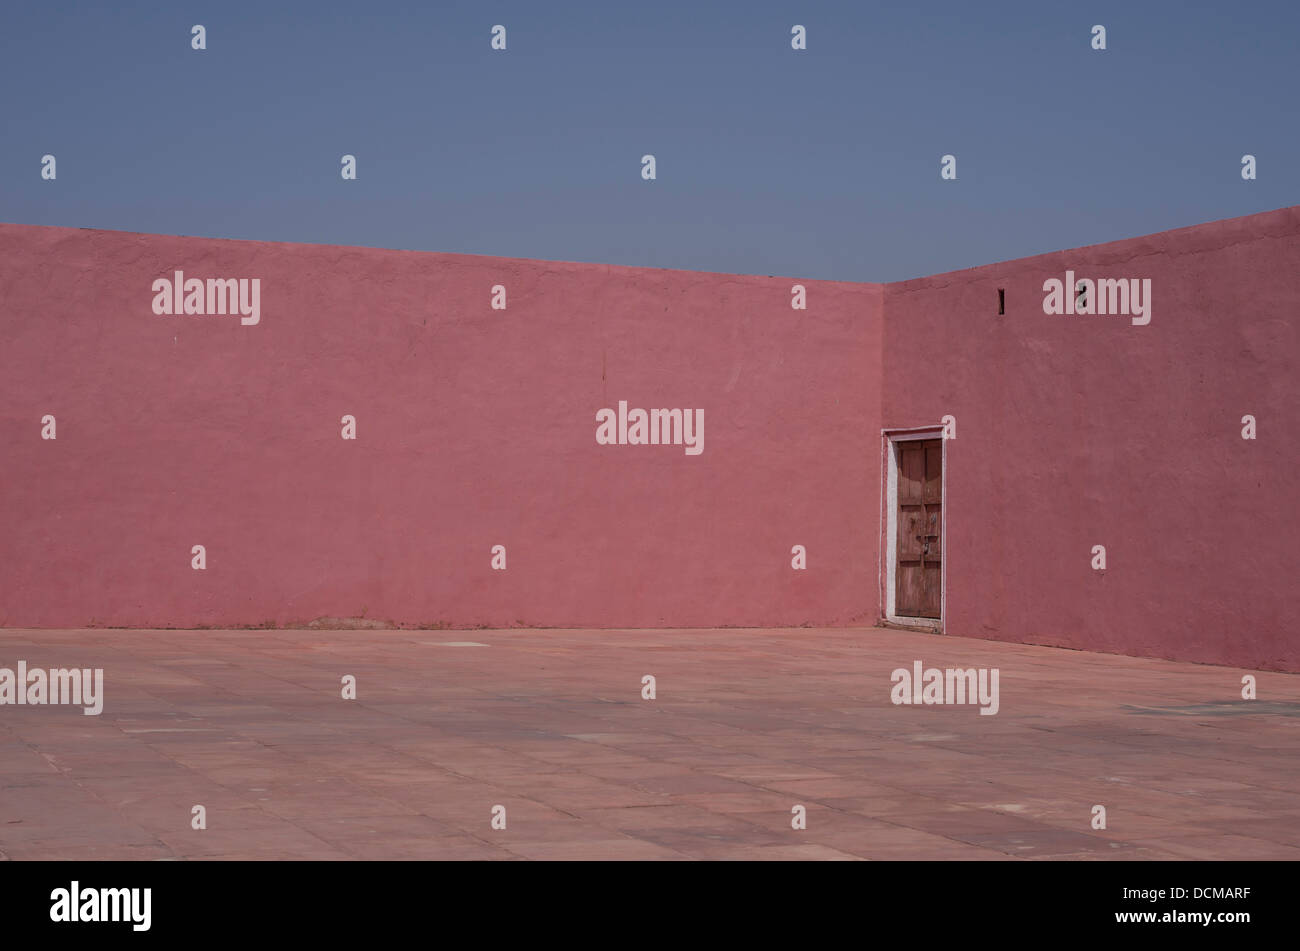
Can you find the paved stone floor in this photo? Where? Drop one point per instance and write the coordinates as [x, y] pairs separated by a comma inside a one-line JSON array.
[[551, 725]]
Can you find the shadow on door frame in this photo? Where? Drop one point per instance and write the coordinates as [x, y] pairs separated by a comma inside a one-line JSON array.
[[889, 440]]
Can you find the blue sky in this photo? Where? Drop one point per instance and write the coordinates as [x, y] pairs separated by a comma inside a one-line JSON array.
[[819, 164]]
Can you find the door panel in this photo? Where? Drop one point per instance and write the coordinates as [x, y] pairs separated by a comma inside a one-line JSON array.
[[919, 561]]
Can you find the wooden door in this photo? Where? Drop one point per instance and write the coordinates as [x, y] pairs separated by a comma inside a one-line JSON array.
[[919, 564]]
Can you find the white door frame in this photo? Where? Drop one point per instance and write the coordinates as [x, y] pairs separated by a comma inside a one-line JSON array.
[[890, 438]]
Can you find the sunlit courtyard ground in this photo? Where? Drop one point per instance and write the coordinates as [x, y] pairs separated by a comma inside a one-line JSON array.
[[745, 725]]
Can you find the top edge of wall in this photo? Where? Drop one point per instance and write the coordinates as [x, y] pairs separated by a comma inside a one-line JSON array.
[[56, 231], [1189, 239]]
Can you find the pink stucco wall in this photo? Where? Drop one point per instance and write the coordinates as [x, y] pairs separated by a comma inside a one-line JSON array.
[[476, 427], [1075, 431]]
